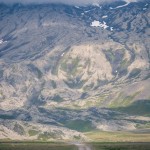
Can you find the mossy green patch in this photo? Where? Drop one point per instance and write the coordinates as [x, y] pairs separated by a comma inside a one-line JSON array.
[[54, 85], [124, 63], [19, 129], [79, 125], [141, 107], [88, 87], [143, 126], [36, 146], [32, 132], [57, 98], [134, 73], [77, 137], [70, 65], [122, 101], [74, 84], [48, 135], [110, 55]]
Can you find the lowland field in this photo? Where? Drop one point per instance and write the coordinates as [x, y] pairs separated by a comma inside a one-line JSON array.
[[121, 146], [119, 136], [35, 146], [60, 146]]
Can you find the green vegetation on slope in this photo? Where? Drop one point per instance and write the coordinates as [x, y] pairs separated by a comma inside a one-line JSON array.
[[79, 125], [49, 135], [141, 107], [57, 98], [135, 72], [143, 126], [53, 83], [122, 101], [19, 129], [32, 132], [70, 67]]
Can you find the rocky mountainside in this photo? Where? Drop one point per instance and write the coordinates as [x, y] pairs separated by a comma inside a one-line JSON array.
[[65, 69]]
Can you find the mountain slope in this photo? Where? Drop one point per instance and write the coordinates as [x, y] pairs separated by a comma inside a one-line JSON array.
[[60, 65]]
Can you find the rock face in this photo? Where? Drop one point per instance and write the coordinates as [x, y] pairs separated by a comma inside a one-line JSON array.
[[53, 58]]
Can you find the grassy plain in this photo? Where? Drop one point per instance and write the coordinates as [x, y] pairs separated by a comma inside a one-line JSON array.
[[60, 146], [35, 146], [120, 146], [118, 136]]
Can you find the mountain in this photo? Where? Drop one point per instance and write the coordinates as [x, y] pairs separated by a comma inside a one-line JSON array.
[[66, 70]]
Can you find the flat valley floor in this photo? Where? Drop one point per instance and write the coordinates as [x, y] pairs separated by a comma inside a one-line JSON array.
[[63, 146]]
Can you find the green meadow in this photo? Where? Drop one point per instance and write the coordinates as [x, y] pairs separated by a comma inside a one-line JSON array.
[[35, 146], [60, 146], [121, 146]]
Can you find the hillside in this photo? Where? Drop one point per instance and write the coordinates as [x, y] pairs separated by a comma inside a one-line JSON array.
[[66, 70]]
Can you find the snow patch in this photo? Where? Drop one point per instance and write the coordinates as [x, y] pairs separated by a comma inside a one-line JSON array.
[[127, 3], [95, 23], [104, 17], [62, 54], [99, 24], [87, 11], [96, 4], [77, 7], [111, 28], [2, 41]]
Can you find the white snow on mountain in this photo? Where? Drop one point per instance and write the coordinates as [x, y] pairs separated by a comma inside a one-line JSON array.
[[95, 23], [121, 6], [2, 41], [104, 17], [127, 3], [77, 7], [97, 5], [62, 54], [111, 28], [87, 11], [99, 24]]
